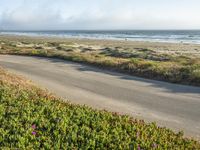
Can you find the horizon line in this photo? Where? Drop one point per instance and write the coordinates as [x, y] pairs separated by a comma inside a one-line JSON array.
[[28, 30]]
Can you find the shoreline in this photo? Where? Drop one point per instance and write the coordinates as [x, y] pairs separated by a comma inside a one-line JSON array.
[[95, 39], [175, 63], [183, 49], [65, 39]]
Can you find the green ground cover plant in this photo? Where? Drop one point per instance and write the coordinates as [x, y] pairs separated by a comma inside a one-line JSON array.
[[32, 118]]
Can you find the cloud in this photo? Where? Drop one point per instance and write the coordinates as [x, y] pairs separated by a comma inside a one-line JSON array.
[[53, 19], [68, 14], [30, 19]]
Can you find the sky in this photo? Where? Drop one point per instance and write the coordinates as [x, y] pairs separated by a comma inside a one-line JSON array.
[[99, 14]]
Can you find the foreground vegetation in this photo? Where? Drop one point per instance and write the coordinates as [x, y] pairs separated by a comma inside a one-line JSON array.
[[177, 66], [31, 118]]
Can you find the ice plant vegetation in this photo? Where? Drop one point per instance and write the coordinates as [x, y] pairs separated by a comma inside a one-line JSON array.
[[31, 118], [34, 133], [34, 126]]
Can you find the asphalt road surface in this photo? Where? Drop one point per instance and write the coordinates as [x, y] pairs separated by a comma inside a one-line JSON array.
[[170, 105]]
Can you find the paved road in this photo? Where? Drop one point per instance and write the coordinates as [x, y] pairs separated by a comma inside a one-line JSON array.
[[174, 106]]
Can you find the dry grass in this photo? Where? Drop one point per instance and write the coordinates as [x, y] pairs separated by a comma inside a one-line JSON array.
[[147, 61]]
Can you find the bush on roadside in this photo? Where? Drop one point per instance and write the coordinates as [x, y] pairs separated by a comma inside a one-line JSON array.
[[30, 118]]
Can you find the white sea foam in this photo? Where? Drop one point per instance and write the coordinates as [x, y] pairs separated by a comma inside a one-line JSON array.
[[172, 36]]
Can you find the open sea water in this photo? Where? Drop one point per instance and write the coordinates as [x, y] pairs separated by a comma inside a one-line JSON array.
[[170, 36]]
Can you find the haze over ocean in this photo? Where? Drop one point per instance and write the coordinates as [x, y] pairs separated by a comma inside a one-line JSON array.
[[172, 36], [99, 14], [166, 21]]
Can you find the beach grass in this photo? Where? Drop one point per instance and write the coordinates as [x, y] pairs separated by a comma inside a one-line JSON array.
[[166, 64]]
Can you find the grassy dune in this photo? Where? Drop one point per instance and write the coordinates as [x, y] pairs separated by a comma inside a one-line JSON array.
[[172, 63], [31, 118]]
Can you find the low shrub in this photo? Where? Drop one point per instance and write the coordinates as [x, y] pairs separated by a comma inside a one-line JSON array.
[[30, 118]]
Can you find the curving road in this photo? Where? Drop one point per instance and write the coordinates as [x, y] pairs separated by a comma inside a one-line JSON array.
[[171, 105]]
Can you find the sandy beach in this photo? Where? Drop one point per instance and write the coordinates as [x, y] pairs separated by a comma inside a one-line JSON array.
[[159, 47], [171, 62]]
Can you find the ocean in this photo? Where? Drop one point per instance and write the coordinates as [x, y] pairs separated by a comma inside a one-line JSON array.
[[170, 36]]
